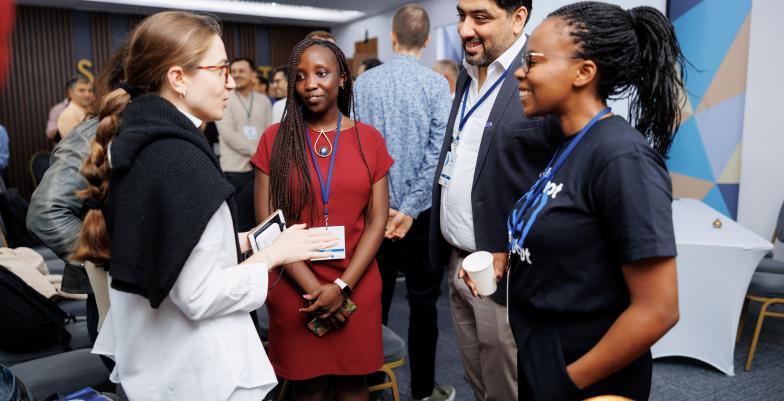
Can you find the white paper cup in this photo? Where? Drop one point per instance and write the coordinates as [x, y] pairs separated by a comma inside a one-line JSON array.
[[479, 266]]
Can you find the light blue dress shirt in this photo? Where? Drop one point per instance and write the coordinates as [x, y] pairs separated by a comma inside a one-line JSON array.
[[409, 104]]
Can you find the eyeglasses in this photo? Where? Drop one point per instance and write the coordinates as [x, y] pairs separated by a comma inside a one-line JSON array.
[[223, 68], [527, 59]]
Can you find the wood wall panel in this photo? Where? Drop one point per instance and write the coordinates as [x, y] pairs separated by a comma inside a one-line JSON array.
[[41, 63], [43, 59], [283, 39], [102, 40]]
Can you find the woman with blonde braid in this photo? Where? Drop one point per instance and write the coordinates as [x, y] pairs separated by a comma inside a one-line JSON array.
[[162, 222]]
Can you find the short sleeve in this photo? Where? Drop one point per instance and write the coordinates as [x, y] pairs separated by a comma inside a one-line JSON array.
[[633, 198], [383, 161], [261, 159]]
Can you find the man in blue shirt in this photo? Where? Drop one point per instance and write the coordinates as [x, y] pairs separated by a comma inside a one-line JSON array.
[[5, 153], [409, 104]]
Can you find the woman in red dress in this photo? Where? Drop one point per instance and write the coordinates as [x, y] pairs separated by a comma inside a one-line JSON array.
[[343, 165]]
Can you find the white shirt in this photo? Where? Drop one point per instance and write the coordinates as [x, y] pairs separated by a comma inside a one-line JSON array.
[[457, 218], [200, 344], [277, 110]]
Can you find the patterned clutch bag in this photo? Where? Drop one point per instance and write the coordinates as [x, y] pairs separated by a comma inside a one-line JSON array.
[[321, 326]]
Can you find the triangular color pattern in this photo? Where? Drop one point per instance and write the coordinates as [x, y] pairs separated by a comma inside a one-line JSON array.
[[731, 174], [730, 194], [714, 22], [730, 80], [715, 200], [687, 155], [679, 7], [721, 129], [684, 186]]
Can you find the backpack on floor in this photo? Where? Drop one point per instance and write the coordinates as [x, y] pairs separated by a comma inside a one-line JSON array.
[[29, 321]]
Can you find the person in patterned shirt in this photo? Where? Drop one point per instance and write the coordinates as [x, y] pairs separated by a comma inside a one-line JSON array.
[[409, 103]]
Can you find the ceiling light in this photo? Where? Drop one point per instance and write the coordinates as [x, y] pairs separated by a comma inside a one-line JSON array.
[[247, 8]]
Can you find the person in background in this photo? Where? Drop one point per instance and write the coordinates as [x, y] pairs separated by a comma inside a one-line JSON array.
[[260, 84], [81, 98], [55, 213], [295, 165], [593, 284], [5, 151], [409, 104], [52, 134], [157, 198], [321, 35], [279, 91], [491, 154], [449, 69], [245, 118], [367, 64]]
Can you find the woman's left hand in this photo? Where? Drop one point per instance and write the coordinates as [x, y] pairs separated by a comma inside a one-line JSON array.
[[328, 298]]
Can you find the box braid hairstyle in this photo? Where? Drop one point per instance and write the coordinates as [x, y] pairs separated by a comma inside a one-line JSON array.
[[290, 189], [636, 54]]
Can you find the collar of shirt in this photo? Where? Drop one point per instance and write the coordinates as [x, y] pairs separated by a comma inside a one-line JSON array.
[[500, 64], [404, 58], [191, 117]]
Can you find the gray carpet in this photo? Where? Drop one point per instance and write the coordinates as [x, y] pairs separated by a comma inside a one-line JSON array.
[[673, 378]]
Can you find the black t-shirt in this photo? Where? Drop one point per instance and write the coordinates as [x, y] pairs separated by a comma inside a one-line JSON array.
[[614, 208]]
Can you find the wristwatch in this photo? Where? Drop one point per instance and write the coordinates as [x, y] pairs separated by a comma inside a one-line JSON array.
[[347, 291]]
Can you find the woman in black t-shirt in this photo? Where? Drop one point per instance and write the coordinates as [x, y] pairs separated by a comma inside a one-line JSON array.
[[593, 280]]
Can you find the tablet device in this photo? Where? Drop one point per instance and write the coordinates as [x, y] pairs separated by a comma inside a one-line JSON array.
[[265, 233]]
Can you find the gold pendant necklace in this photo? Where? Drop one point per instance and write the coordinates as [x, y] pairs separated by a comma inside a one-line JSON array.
[[322, 150]]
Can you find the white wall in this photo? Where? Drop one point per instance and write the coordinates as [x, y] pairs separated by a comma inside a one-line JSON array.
[[443, 12], [762, 155]]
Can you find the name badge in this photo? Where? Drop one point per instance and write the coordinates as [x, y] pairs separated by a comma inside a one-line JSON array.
[[338, 251], [449, 168], [250, 132]]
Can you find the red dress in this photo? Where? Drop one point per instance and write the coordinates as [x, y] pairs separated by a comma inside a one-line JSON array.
[[355, 349]]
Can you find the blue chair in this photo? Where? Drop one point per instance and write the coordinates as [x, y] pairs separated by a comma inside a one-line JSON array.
[[767, 288], [394, 357]]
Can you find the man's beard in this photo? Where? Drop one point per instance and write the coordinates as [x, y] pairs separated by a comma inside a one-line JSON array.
[[487, 56]]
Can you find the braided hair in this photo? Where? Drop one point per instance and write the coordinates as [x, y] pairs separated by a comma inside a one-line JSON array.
[[290, 188], [637, 55]]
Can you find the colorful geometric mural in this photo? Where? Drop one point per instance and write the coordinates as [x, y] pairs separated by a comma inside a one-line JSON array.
[[705, 158]]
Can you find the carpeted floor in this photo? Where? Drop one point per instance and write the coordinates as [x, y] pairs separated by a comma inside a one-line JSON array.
[[673, 378]]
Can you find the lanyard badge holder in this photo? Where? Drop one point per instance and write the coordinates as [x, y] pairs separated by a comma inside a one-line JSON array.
[[517, 225], [448, 168], [248, 130], [338, 251]]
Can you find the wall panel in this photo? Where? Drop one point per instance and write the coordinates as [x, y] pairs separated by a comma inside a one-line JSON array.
[[40, 65]]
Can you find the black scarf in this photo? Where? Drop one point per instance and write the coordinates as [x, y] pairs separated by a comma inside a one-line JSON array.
[[164, 187]]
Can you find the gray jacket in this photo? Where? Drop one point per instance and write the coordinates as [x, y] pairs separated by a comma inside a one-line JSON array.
[[55, 213]]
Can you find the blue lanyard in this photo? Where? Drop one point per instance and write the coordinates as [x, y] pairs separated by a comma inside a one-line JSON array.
[[516, 225], [325, 189], [463, 116]]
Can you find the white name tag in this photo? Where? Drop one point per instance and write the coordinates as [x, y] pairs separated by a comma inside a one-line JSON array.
[[250, 132], [338, 251], [449, 167]]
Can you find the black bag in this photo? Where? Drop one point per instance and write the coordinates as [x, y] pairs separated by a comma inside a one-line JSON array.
[[30, 321], [13, 209]]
